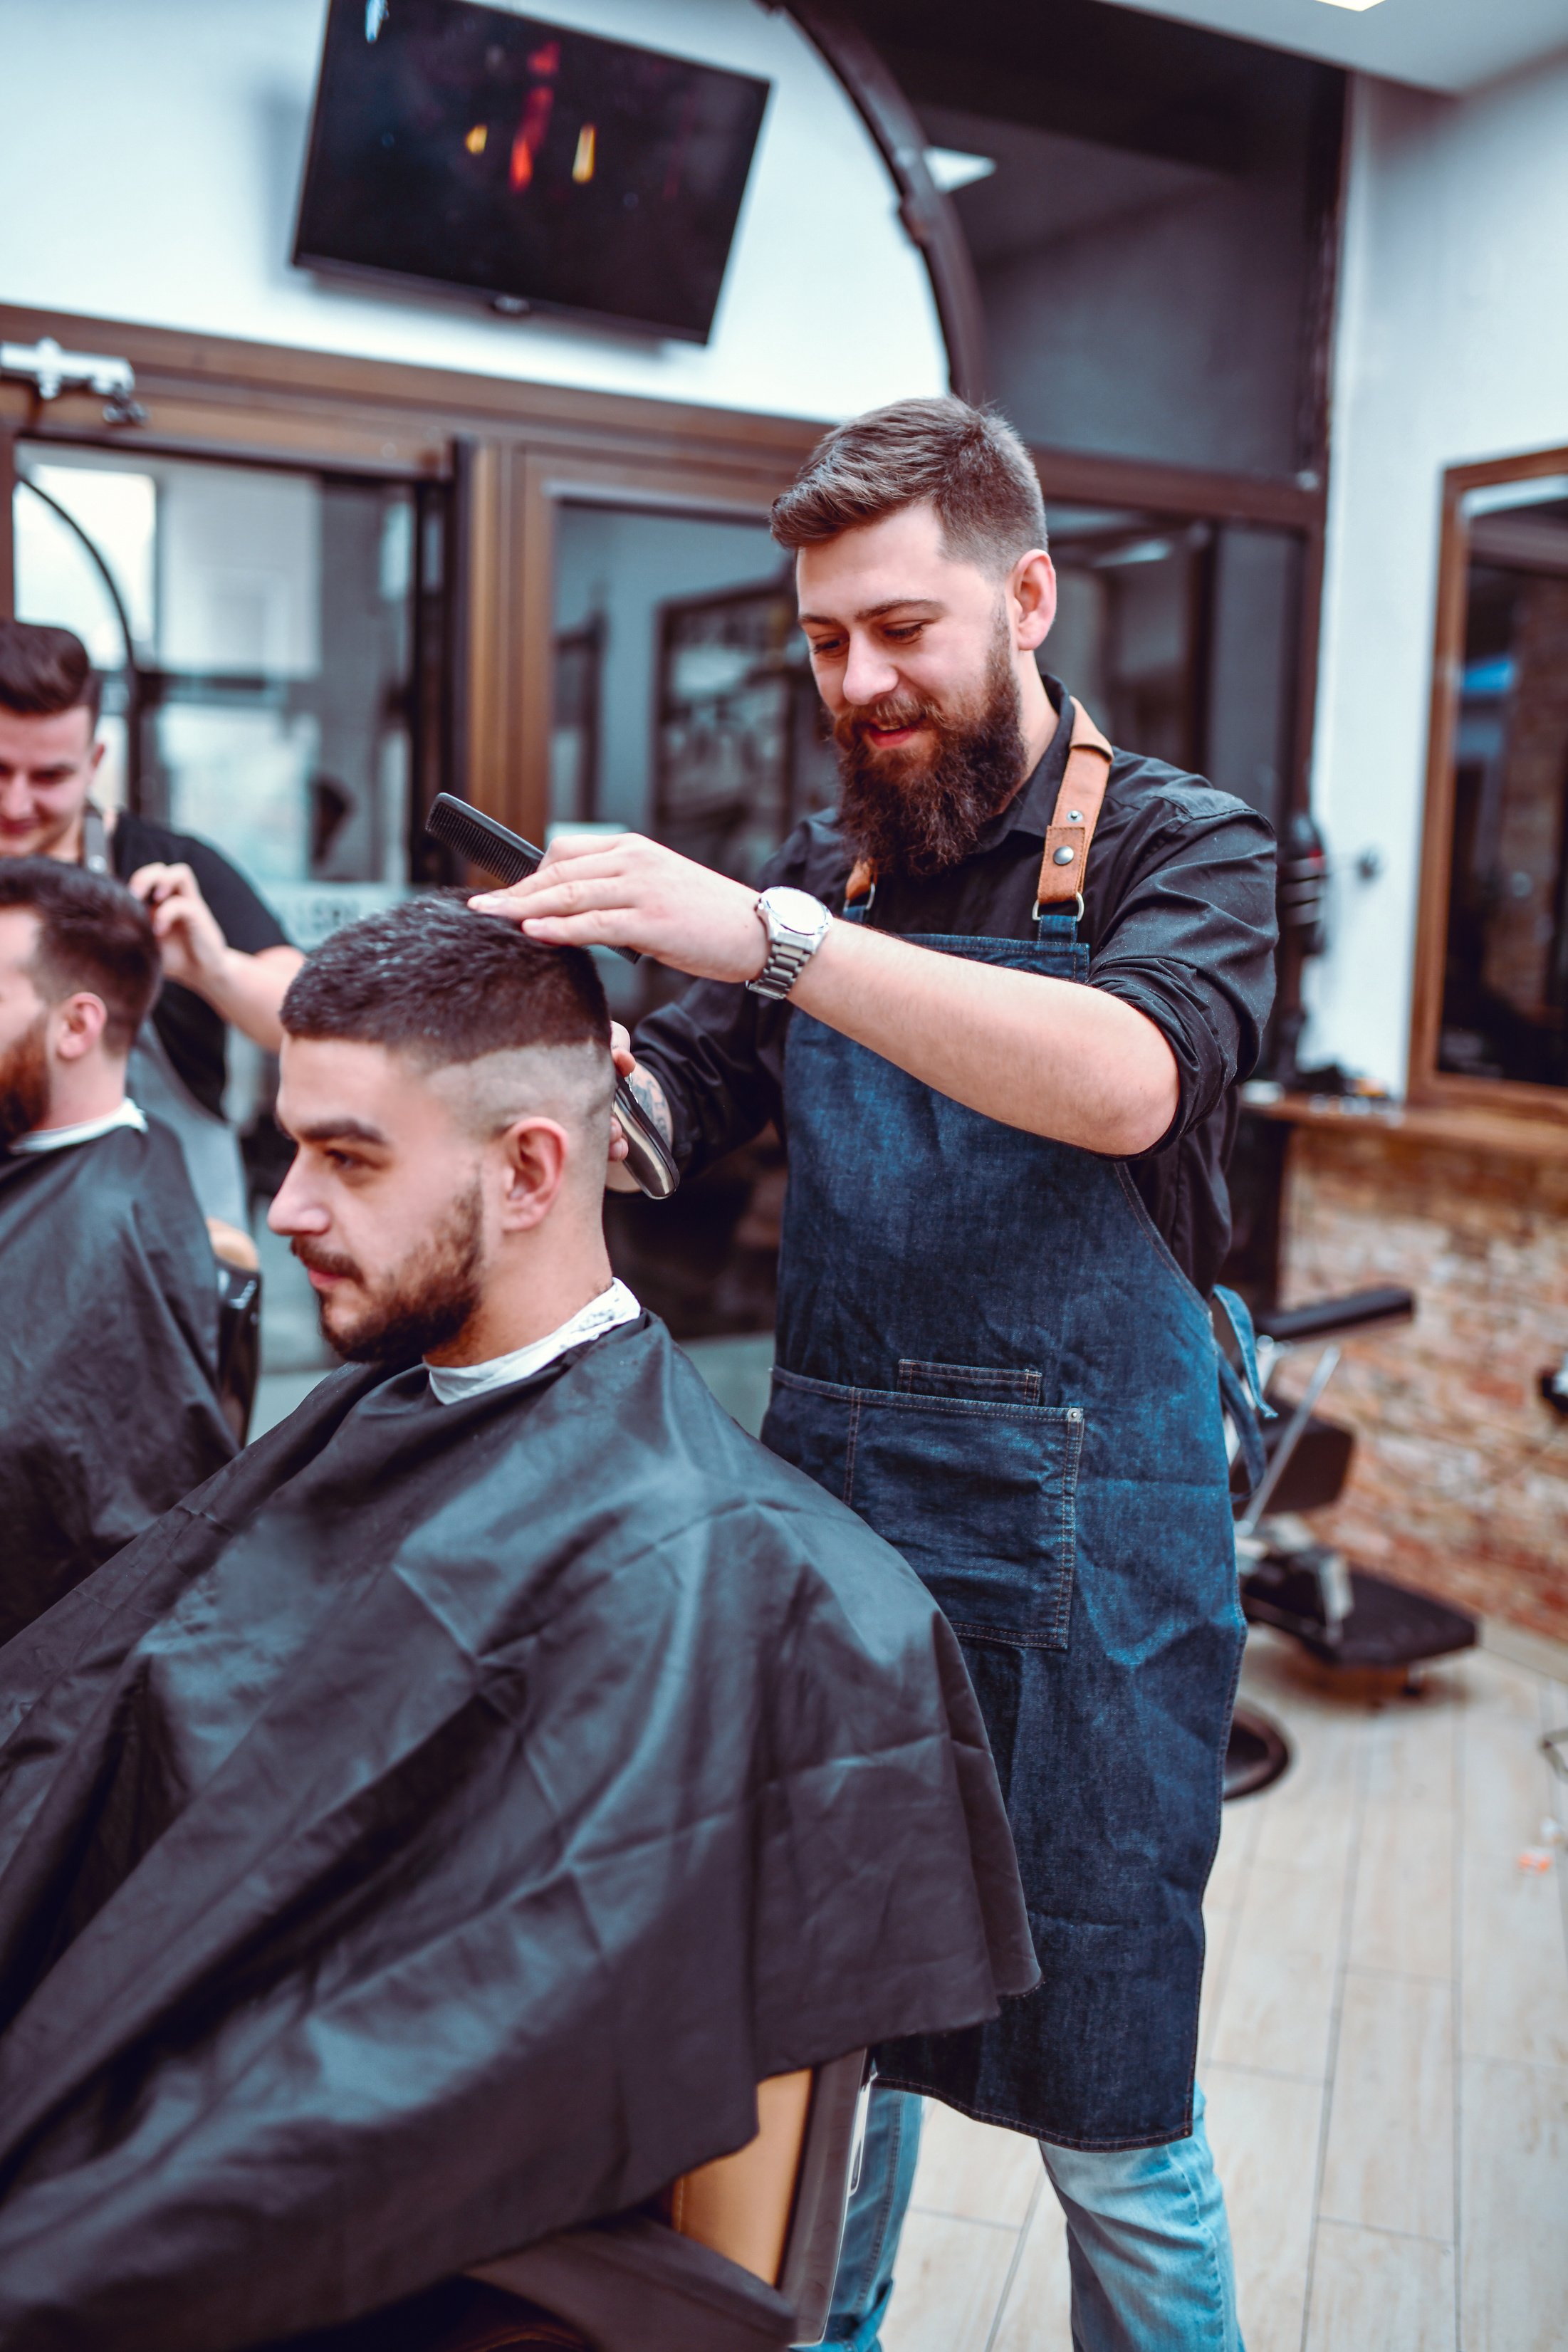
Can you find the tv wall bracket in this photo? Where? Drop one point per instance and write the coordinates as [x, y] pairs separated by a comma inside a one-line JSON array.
[[51, 370]]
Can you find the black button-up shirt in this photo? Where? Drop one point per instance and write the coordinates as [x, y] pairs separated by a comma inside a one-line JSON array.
[[1179, 920]]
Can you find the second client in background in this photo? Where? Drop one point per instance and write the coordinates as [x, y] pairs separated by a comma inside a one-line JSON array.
[[108, 1403]]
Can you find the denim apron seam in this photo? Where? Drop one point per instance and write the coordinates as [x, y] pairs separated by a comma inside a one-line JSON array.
[[851, 1441], [918, 1401], [980, 2113]]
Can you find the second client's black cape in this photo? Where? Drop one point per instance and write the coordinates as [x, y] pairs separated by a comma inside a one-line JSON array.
[[429, 1834], [108, 1402]]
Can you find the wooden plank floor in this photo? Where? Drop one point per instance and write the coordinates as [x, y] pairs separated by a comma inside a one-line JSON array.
[[1384, 2048]]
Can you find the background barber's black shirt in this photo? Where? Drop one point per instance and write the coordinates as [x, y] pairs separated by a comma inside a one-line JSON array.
[[1179, 920], [193, 1034]]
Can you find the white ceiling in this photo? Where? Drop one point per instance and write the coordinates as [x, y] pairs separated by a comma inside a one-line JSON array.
[[1451, 44]]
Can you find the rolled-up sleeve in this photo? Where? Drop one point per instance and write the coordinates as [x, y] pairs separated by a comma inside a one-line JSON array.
[[721, 1071], [1190, 943]]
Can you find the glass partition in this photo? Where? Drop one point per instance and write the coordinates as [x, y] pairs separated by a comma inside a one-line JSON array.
[[684, 708], [258, 629]]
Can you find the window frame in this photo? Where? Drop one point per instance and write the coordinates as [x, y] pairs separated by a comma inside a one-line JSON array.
[[1427, 1085], [513, 451]]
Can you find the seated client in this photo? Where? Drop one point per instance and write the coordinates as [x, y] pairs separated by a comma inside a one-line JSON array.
[[109, 1405], [429, 1834]]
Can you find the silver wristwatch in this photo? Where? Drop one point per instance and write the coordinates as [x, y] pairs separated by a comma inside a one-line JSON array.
[[796, 924]]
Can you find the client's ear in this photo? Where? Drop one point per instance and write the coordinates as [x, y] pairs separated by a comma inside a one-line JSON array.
[[78, 1025], [535, 1152]]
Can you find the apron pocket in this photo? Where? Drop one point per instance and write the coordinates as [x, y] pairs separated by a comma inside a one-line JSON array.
[[977, 1494]]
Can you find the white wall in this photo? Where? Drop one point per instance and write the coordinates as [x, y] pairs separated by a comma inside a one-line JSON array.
[[1453, 345], [151, 166]]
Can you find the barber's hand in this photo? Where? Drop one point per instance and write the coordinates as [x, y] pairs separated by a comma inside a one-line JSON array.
[[195, 951], [633, 893], [650, 1101], [626, 1067]]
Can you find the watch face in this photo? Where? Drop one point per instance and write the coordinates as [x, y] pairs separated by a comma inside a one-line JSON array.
[[796, 910]]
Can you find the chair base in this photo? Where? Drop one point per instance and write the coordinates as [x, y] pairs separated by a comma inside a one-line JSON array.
[[1257, 1754], [1389, 1625]]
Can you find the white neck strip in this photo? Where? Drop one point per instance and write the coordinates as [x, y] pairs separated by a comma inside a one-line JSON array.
[[451, 1383], [58, 1138]]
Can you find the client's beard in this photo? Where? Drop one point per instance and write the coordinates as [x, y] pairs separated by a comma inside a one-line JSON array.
[[422, 1305], [23, 1083], [917, 811]]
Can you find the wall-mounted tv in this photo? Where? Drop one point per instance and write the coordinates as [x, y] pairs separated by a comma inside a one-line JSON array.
[[479, 151]]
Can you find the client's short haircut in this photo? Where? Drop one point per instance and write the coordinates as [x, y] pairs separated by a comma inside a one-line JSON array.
[[967, 462], [435, 981], [43, 671], [92, 934]]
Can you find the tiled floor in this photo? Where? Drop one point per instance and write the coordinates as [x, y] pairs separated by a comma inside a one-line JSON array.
[[1384, 2046]]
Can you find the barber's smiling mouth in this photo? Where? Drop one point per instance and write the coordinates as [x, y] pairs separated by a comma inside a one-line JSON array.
[[888, 739]]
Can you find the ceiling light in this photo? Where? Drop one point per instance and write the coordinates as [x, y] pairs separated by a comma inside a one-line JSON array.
[[1357, 4], [951, 168]]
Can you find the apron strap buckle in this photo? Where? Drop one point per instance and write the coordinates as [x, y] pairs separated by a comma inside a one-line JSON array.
[[1065, 864], [1037, 913]]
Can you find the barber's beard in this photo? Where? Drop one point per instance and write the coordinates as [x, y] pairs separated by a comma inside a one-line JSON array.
[[923, 808], [421, 1304], [25, 1084]]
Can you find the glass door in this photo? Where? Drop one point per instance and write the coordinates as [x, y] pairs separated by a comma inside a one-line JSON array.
[[270, 646], [273, 648]]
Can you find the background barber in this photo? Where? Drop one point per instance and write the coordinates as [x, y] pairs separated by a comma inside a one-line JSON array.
[[1006, 1210], [226, 957]]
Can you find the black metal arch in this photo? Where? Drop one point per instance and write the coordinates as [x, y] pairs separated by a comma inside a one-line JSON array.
[[928, 215], [133, 683]]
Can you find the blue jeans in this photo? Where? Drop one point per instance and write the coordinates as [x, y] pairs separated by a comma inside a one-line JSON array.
[[1148, 2244]]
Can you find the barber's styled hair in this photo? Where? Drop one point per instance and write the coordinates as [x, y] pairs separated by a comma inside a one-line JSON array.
[[435, 981], [968, 462], [45, 671], [92, 934]]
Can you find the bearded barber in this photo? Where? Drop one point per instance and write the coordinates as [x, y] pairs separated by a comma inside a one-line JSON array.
[[225, 957], [1005, 1213]]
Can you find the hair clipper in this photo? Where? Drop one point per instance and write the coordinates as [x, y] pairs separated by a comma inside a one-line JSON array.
[[497, 850]]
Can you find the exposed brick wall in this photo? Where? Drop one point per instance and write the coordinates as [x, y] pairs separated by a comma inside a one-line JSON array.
[[1460, 1480]]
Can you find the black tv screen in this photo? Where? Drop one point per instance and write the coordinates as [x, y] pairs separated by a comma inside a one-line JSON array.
[[539, 168]]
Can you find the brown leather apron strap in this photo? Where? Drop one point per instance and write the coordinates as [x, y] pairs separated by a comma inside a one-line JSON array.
[[1076, 812], [862, 881]]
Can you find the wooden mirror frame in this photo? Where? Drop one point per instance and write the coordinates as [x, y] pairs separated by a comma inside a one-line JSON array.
[[1427, 1085]]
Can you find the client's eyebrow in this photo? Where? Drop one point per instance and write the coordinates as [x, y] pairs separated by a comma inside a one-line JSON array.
[[340, 1130]]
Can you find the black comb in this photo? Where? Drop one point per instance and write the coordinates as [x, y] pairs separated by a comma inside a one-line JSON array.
[[485, 841], [493, 847]]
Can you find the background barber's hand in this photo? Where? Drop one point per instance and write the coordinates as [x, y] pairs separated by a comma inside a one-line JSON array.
[[629, 892], [192, 945], [247, 989]]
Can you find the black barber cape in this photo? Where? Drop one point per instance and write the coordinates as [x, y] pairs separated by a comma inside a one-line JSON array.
[[427, 1835], [108, 1409]]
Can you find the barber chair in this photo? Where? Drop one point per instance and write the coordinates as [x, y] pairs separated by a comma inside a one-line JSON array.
[[239, 1322], [1343, 1616], [738, 2256]]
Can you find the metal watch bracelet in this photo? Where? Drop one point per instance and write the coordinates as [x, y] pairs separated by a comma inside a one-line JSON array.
[[795, 925]]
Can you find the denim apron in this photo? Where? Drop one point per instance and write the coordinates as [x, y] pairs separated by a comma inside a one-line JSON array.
[[985, 1347]]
